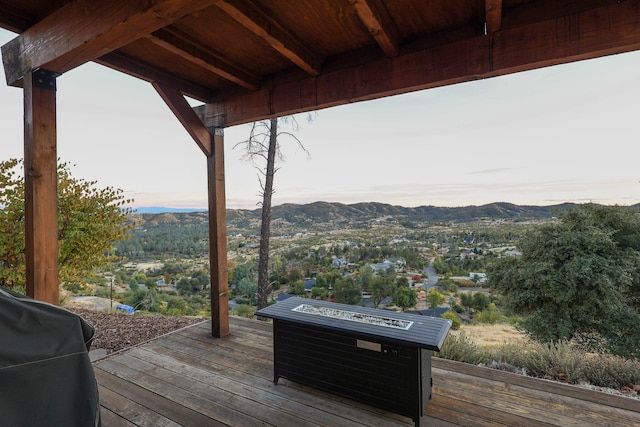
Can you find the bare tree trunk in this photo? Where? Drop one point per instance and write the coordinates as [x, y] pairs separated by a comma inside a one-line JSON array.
[[265, 227]]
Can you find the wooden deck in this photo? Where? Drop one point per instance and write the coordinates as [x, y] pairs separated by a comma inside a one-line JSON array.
[[188, 378]]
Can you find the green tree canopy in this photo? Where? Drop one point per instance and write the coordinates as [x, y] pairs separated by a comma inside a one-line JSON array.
[[381, 287], [347, 291], [577, 278], [435, 299], [242, 271], [405, 297], [90, 221], [248, 289]]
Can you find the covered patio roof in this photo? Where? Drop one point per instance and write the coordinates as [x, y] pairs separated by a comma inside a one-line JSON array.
[[247, 60]]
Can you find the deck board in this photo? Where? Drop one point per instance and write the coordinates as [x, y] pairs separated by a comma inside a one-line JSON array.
[[188, 378]]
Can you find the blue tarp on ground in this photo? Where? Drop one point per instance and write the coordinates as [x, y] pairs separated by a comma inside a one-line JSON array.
[[126, 308]]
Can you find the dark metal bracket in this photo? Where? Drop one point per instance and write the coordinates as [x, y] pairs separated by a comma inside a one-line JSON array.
[[44, 79]]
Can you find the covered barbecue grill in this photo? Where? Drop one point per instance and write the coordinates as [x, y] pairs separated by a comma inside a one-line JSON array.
[[46, 377]]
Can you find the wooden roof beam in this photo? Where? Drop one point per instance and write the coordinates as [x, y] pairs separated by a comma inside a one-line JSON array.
[[376, 18], [83, 30], [150, 74], [185, 114], [178, 43], [249, 15], [493, 15], [609, 29]]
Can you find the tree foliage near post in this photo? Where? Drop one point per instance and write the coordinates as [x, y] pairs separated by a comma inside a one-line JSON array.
[[90, 221], [578, 278]]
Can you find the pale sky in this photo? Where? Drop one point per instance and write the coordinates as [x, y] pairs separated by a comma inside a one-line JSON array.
[[567, 133]]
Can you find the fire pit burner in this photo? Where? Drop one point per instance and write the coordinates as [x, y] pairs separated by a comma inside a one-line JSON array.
[[353, 316]]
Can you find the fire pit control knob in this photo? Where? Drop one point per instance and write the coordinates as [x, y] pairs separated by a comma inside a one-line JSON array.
[[390, 350]]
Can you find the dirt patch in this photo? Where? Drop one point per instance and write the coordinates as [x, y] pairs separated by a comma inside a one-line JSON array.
[[116, 331], [90, 303], [144, 266]]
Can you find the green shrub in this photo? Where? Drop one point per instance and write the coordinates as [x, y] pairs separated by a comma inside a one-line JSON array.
[[455, 320], [567, 362], [75, 288], [611, 371], [491, 315], [245, 310], [564, 361], [556, 361], [103, 292], [460, 348]]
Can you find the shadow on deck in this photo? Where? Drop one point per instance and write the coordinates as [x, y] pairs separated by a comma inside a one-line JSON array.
[[188, 378]]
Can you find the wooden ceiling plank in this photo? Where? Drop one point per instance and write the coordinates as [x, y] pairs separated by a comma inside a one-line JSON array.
[[376, 18], [249, 15], [374, 79], [150, 74], [185, 114], [83, 30], [13, 19], [610, 29], [493, 19], [212, 63]]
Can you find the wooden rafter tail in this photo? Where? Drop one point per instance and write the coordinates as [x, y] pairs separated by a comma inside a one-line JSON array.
[[376, 18], [493, 11]]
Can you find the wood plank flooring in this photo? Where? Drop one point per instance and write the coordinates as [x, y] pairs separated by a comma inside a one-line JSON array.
[[187, 378]]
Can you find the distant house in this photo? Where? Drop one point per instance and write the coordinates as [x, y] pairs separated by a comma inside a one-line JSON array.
[[432, 312], [309, 284], [478, 277], [401, 240], [416, 284], [282, 297], [339, 262], [381, 267], [399, 262], [469, 254]]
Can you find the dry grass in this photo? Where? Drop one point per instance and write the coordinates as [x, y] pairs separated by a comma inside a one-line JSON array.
[[492, 336], [563, 361]]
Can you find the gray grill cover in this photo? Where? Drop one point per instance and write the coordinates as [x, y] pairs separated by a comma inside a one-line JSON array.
[[46, 377]]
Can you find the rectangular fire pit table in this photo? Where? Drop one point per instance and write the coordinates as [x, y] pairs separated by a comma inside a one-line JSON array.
[[378, 357]]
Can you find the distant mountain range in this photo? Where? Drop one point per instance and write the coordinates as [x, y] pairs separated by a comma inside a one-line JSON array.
[[325, 211], [160, 209], [321, 214]]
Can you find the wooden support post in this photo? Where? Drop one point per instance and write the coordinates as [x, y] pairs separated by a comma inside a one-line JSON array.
[[218, 237], [41, 194], [211, 142]]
